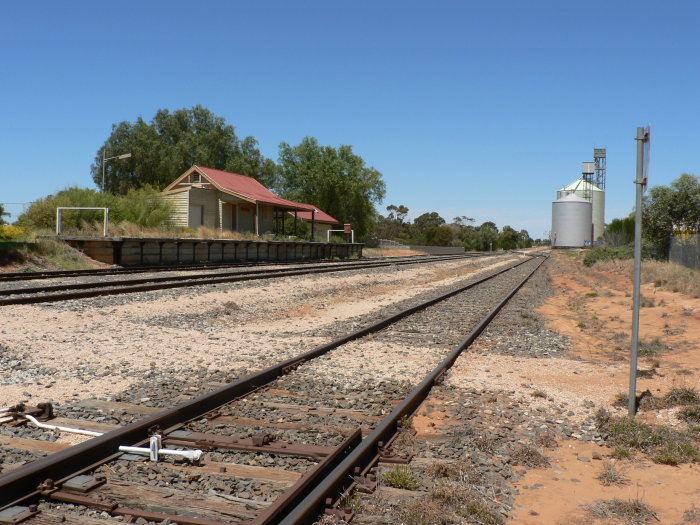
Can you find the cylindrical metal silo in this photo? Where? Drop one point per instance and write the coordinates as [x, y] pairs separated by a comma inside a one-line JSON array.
[[586, 190], [571, 221]]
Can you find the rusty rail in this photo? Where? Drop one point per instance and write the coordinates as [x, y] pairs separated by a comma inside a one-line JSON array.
[[366, 455], [21, 483], [54, 274], [97, 289]]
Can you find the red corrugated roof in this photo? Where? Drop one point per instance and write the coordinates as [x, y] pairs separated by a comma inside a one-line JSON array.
[[249, 187], [321, 216]]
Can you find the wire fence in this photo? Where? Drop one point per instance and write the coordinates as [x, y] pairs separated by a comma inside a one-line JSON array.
[[685, 250]]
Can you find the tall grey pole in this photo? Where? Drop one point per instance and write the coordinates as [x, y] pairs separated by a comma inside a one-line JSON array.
[[102, 189], [639, 182]]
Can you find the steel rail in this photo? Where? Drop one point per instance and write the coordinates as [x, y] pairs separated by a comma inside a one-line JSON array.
[[164, 283], [125, 282], [55, 274], [365, 455], [22, 482]]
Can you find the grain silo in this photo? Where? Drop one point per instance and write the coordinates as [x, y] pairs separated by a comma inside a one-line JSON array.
[[571, 221], [588, 191]]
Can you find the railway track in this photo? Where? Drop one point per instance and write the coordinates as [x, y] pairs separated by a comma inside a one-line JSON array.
[[21, 293], [56, 274], [295, 409]]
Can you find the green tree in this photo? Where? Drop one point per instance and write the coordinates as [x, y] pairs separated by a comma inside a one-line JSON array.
[[669, 209], [489, 225], [397, 213], [482, 238], [508, 238], [3, 214], [438, 236], [170, 144], [428, 220], [334, 179], [524, 240], [393, 226], [619, 232]]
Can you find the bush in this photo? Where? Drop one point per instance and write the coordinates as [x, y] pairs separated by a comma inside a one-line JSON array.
[[663, 444], [608, 254], [634, 511], [141, 207], [528, 456], [619, 232], [401, 477], [677, 452], [12, 233], [690, 414]]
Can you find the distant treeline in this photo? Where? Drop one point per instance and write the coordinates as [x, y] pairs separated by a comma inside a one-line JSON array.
[[430, 229]]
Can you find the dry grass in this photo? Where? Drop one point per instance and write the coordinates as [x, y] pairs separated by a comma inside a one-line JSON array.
[[425, 511], [128, 229], [690, 414], [664, 445], [46, 253], [679, 396], [461, 471], [633, 512], [692, 515], [528, 456], [651, 348], [665, 275], [611, 475], [621, 453], [646, 302], [401, 477], [676, 452], [546, 440], [454, 498]]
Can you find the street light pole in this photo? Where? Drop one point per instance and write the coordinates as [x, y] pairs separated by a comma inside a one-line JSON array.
[[104, 160]]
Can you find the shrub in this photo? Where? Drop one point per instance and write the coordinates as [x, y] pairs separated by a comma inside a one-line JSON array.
[[677, 452], [650, 348], [141, 207], [681, 396], [633, 511], [621, 453], [456, 471], [608, 254], [611, 475], [690, 414], [400, 477], [465, 502], [12, 233], [666, 446], [528, 456], [692, 515]]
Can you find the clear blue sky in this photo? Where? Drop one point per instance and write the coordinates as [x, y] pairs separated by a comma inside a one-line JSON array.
[[467, 107]]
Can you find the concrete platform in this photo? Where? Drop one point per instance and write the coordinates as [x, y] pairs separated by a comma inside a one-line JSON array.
[[132, 251]]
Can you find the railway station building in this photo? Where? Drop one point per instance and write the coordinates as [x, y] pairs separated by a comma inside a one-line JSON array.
[[229, 201], [323, 221]]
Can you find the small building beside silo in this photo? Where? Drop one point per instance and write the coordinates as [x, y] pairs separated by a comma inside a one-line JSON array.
[[571, 221]]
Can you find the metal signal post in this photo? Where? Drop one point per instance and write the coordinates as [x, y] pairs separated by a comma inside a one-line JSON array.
[[642, 138]]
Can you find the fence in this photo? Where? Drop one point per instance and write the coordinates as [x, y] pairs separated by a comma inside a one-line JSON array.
[[685, 250], [433, 250], [392, 245]]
